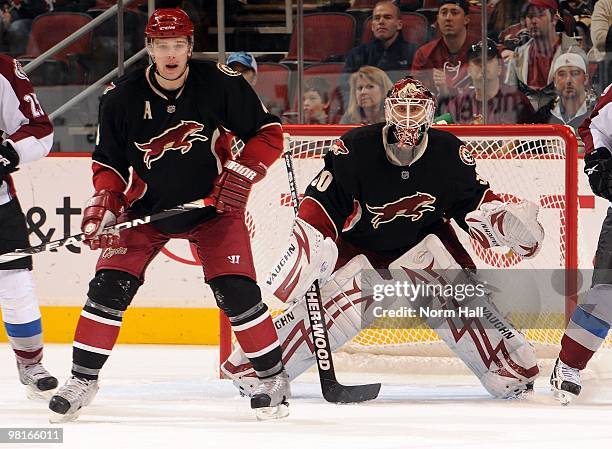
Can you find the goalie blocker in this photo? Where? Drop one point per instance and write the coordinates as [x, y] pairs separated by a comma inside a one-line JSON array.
[[500, 356]]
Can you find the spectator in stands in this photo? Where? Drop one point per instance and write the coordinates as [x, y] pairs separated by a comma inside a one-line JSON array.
[[505, 105], [22, 13], [387, 50], [572, 104], [316, 101], [368, 88], [601, 24], [505, 14], [442, 63], [244, 63], [531, 65]]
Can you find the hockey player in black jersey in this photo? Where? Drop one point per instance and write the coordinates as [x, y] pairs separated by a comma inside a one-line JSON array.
[[160, 144], [384, 199]]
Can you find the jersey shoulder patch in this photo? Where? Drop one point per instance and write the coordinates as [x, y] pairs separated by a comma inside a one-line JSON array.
[[227, 70], [466, 155], [339, 148], [109, 87], [19, 72]]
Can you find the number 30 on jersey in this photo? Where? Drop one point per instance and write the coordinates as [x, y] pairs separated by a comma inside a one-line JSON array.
[[322, 182]]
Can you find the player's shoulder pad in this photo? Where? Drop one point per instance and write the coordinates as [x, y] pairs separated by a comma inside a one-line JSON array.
[[212, 69], [444, 143], [356, 141], [127, 84], [11, 69]]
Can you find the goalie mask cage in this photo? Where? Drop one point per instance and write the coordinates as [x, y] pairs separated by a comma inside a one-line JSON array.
[[534, 162]]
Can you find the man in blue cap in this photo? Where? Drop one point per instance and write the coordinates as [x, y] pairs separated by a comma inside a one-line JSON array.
[[244, 63]]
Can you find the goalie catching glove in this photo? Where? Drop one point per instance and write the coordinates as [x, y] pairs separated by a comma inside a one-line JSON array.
[[102, 210], [507, 224], [233, 186]]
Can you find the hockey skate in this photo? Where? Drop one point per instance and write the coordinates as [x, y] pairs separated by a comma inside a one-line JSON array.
[[37, 380], [75, 394], [565, 382], [269, 399]]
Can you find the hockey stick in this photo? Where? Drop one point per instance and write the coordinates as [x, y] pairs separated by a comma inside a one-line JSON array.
[[332, 390], [73, 239]]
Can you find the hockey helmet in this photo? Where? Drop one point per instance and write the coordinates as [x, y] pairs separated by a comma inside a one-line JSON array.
[[409, 110], [169, 22]]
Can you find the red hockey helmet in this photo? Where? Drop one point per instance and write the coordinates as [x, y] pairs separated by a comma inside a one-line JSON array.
[[169, 22], [410, 108]]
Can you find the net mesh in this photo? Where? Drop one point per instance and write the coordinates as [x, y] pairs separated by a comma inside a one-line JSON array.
[[529, 167]]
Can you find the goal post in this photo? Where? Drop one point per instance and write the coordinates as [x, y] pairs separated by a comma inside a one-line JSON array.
[[534, 162]]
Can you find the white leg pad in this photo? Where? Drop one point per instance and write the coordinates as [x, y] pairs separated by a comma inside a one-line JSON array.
[[344, 303], [498, 354]]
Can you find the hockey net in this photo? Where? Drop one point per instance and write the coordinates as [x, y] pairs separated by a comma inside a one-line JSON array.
[[534, 162]]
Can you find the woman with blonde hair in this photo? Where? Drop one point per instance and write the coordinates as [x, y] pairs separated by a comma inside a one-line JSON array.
[[369, 86]]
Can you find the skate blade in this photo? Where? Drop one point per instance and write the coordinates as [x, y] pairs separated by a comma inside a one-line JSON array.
[[58, 418], [268, 413], [35, 394], [564, 397]]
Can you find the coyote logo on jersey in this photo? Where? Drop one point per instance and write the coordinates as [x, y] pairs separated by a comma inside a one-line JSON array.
[[178, 138], [338, 147], [413, 206]]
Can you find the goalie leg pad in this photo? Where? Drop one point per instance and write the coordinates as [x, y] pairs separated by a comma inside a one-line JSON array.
[[498, 354], [309, 257], [345, 306]]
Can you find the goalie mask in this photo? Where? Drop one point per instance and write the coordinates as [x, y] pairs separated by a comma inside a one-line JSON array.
[[409, 108]]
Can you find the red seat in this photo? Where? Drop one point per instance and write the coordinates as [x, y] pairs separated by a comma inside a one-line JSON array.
[[363, 5], [70, 64], [415, 28], [51, 28], [369, 4], [327, 37], [273, 86]]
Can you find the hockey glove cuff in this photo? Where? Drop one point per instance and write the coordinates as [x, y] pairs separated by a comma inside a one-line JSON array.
[[9, 159], [598, 167], [102, 210], [232, 187]]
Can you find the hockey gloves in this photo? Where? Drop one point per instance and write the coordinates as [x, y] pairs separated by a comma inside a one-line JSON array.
[[507, 224], [598, 167], [102, 210], [9, 159], [232, 187]]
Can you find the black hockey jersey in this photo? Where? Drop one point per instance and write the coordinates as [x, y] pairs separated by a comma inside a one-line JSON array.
[[164, 143], [387, 209]]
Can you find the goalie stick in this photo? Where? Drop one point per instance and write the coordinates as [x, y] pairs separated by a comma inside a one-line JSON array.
[[332, 390], [73, 239]]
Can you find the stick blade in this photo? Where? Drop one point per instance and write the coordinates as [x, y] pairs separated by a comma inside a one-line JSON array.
[[348, 394]]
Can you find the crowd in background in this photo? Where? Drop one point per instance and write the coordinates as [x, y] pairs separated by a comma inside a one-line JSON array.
[[546, 61]]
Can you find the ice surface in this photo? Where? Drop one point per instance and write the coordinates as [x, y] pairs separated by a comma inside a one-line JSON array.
[[170, 397]]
